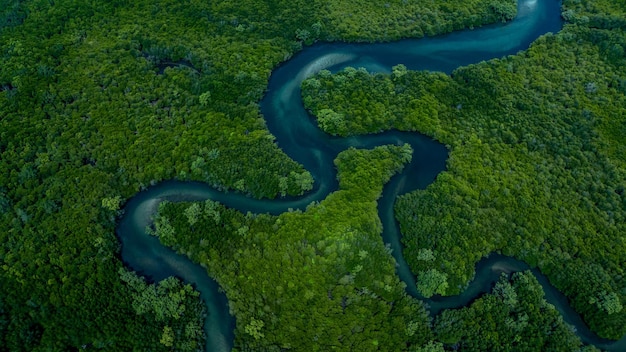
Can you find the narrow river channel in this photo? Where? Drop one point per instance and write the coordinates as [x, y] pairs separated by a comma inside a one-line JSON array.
[[300, 138]]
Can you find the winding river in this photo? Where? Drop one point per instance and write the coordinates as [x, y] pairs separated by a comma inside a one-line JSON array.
[[300, 138]]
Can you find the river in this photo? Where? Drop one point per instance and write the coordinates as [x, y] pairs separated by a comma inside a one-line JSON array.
[[300, 138]]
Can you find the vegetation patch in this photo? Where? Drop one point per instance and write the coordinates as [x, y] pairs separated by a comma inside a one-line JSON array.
[[535, 169]]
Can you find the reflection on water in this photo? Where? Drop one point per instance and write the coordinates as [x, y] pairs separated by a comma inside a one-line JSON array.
[[300, 138], [324, 62], [527, 8]]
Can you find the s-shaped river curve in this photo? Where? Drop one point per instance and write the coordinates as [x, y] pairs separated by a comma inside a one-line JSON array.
[[300, 138]]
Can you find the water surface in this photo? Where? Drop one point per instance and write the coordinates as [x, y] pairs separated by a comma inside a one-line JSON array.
[[300, 138]]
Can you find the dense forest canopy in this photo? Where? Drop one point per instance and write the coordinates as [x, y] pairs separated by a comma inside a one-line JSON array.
[[99, 100], [536, 169], [313, 280]]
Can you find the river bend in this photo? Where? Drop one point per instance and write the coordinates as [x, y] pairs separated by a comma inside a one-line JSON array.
[[301, 140]]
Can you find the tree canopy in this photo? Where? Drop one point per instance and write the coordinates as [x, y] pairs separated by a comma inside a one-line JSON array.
[[536, 168], [101, 99]]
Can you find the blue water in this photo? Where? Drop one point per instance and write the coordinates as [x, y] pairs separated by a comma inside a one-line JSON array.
[[300, 138]]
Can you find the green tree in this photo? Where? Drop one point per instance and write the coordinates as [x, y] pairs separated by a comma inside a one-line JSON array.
[[431, 346], [431, 282], [254, 328], [167, 338], [193, 213], [112, 203], [608, 302], [332, 121]]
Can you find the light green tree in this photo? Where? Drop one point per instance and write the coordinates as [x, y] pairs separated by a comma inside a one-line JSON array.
[[505, 291], [331, 121], [211, 210], [254, 328], [431, 346], [283, 185], [167, 338], [112, 203], [193, 213], [431, 282], [398, 71], [608, 302], [425, 254], [205, 98], [303, 180]]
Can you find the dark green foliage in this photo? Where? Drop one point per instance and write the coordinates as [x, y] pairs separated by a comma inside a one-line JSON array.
[[312, 280], [12, 13], [513, 317], [606, 14], [536, 170], [405, 102], [169, 301], [364, 20], [99, 99]]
